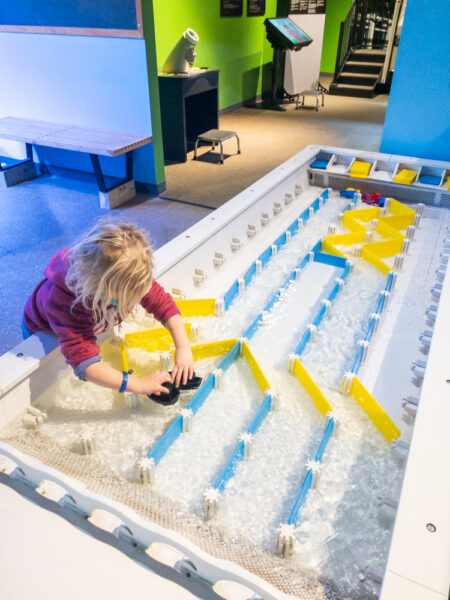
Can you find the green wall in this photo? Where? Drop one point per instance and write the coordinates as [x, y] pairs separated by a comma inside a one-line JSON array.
[[336, 12], [235, 45]]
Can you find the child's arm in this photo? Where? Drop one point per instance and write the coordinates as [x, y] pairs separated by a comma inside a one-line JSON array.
[[184, 361], [106, 376]]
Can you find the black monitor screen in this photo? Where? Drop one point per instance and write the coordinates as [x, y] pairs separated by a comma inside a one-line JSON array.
[[284, 33]]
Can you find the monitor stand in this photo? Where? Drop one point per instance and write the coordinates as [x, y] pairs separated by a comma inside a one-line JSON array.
[[273, 102]]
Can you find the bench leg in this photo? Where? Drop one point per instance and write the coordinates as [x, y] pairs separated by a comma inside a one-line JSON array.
[[195, 149], [238, 144], [323, 98], [98, 173], [122, 189], [221, 153], [17, 171]]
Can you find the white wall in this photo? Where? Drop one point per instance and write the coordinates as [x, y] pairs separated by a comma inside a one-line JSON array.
[[303, 67], [90, 81]]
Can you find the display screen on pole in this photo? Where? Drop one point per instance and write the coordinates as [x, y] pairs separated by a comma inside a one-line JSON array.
[[285, 34]]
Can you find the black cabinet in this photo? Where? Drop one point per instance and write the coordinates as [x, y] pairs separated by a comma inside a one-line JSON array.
[[189, 107]]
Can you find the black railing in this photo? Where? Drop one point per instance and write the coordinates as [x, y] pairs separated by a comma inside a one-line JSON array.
[[365, 26], [346, 39]]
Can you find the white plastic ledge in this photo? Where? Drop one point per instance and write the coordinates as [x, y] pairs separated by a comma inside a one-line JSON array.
[[418, 566]]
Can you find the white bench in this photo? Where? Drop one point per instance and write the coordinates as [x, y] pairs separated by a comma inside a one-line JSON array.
[[95, 142]]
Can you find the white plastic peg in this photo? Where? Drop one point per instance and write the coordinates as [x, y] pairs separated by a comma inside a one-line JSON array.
[[211, 502], [277, 208], [218, 378], [87, 442], [186, 415], [410, 231], [286, 540], [251, 231], [147, 470]]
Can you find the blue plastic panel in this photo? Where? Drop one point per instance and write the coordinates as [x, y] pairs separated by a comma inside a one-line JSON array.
[[358, 360], [265, 256], [280, 241], [230, 467], [231, 294], [346, 270], [166, 440], [325, 439], [315, 205], [332, 295], [249, 274], [319, 316], [262, 413], [370, 330], [389, 281], [329, 259], [317, 246], [250, 332], [301, 498], [301, 346], [229, 358], [200, 397]]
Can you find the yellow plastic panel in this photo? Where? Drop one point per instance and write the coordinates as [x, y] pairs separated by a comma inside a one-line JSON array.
[[346, 239], [323, 406], [406, 176], [398, 208], [376, 414], [196, 308], [153, 340], [351, 223], [212, 349], [123, 355], [398, 222], [254, 367], [363, 214], [328, 247], [366, 254], [385, 248], [360, 169], [385, 229]]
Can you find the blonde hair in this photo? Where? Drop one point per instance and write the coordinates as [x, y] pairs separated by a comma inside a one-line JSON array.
[[112, 262]]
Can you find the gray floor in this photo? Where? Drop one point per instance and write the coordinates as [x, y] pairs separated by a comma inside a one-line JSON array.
[[42, 216]]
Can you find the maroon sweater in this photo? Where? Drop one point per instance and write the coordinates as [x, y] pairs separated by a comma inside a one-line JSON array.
[[49, 308]]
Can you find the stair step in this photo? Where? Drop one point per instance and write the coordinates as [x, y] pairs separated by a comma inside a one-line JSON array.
[[347, 89], [356, 66], [357, 78], [372, 56]]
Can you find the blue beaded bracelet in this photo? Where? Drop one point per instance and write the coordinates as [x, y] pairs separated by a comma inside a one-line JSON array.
[[123, 387]]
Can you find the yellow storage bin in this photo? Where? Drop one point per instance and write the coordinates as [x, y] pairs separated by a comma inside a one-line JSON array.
[[360, 169], [406, 176]]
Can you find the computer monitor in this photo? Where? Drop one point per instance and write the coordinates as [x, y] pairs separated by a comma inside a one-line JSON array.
[[284, 34]]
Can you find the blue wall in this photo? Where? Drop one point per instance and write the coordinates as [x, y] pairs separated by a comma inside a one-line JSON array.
[[95, 82], [417, 118]]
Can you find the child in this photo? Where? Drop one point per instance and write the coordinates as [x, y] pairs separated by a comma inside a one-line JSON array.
[[95, 284]]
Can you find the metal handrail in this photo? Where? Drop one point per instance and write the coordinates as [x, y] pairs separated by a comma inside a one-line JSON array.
[[346, 39]]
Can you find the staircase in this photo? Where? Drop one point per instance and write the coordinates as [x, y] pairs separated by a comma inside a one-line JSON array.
[[359, 74]]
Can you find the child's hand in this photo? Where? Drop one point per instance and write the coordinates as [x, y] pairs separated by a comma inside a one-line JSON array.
[[184, 365], [153, 383]]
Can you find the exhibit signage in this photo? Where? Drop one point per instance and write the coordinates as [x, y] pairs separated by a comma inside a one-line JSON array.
[[256, 8], [231, 8], [307, 7]]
